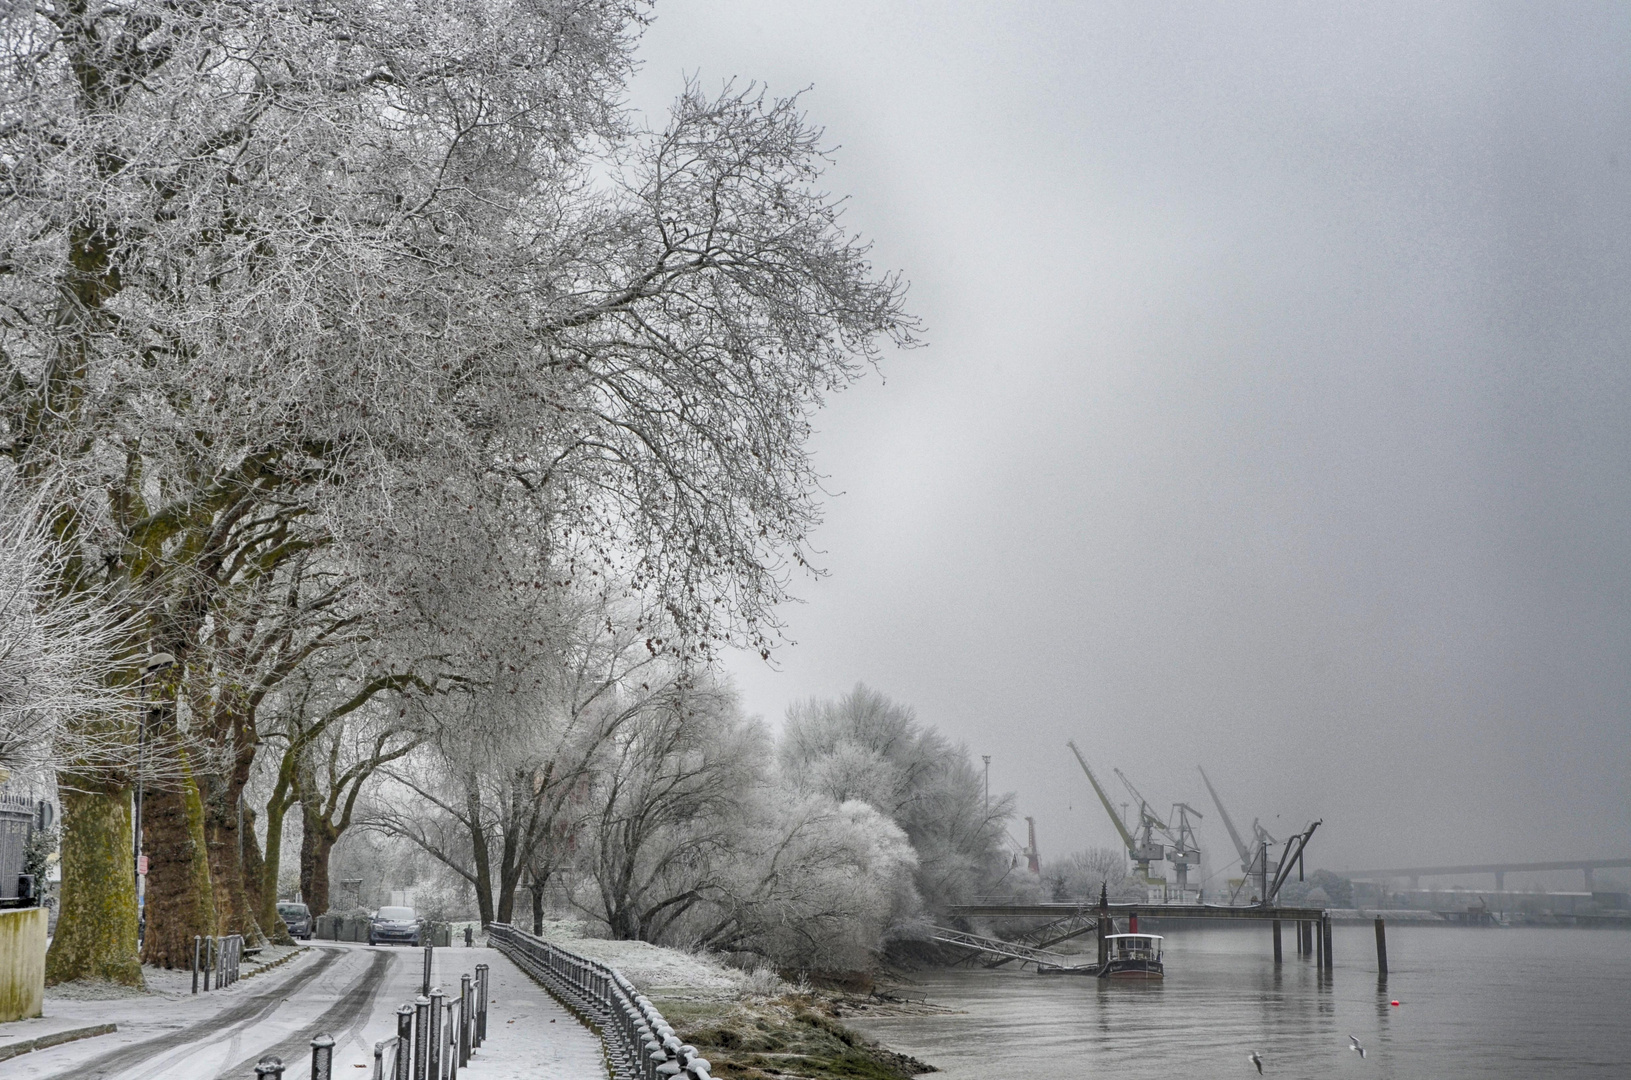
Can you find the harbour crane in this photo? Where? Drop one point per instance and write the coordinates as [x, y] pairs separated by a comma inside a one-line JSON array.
[[1186, 851], [1183, 851], [1254, 858], [1142, 850]]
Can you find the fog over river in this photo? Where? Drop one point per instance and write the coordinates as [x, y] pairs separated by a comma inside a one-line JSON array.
[[1499, 1003]]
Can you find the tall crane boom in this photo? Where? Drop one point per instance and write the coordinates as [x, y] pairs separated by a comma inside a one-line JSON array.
[[1234, 834], [1141, 852], [1121, 826]]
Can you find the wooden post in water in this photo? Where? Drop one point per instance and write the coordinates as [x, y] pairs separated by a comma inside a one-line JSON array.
[[1381, 948], [1319, 948], [1277, 942], [1330, 961]]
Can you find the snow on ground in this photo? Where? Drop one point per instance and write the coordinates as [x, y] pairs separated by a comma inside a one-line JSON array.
[[529, 1035], [652, 968]]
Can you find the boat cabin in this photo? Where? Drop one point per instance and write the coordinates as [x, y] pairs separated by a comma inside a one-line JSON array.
[[1134, 946], [1132, 956]]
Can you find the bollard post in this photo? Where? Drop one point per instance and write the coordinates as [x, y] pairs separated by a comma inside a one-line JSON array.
[[1276, 942], [269, 1068], [404, 1043], [379, 1062], [322, 1058], [481, 1004], [465, 1015], [424, 981], [1381, 949], [209, 948], [435, 1036], [450, 1045], [196, 943], [421, 1016]]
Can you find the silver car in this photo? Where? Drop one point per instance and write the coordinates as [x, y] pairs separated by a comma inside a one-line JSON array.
[[397, 925]]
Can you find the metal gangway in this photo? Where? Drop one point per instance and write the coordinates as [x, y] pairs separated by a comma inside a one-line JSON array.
[[1008, 950]]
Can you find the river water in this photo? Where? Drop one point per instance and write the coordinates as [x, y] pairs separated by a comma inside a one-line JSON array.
[[1530, 1002]]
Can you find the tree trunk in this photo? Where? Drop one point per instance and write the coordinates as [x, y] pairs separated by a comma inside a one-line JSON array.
[[223, 835], [537, 889], [262, 898], [180, 898], [317, 842], [478, 845], [271, 866], [96, 927]]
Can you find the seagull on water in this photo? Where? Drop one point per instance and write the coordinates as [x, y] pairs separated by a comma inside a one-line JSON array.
[[1360, 1050], [1258, 1061]]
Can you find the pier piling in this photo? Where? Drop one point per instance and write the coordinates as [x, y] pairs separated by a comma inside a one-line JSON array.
[[1381, 948], [1277, 941], [1325, 934]]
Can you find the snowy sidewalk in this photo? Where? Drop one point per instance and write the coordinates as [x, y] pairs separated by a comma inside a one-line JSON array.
[[529, 1035]]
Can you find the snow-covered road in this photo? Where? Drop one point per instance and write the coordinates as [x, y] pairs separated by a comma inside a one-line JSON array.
[[348, 991]]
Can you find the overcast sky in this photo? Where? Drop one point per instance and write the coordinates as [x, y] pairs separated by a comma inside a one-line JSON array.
[[1276, 415]]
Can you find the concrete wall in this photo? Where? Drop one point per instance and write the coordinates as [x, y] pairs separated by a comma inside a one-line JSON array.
[[22, 963]]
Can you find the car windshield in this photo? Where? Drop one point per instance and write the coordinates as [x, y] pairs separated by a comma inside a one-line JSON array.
[[396, 914], [291, 909]]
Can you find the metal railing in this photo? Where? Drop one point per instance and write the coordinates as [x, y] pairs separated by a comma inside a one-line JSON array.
[[640, 1044], [434, 1039], [218, 956]]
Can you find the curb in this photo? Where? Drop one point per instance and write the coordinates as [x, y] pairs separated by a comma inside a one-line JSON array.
[[56, 1038], [279, 962]]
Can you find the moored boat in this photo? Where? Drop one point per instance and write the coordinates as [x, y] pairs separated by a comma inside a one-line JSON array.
[[1132, 956]]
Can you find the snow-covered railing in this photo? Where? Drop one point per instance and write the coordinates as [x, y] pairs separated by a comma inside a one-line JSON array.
[[640, 1044]]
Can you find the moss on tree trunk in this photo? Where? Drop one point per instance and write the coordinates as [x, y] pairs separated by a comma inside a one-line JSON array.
[[180, 895], [96, 927], [317, 841]]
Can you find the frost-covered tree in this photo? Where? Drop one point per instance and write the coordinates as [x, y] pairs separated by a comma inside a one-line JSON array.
[[865, 746], [56, 649], [807, 884], [672, 792]]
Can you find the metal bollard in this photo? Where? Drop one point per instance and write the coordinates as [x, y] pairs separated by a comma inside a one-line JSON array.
[[322, 1058], [450, 1045], [424, 982], [481, 1004], [421, 1011], [466, 1014], [435, 1035], [379, 1062], [271, 1067], [404, 1043], [197, 942]]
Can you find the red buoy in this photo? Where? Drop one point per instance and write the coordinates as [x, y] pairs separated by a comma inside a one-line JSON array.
[[1393, 1003]]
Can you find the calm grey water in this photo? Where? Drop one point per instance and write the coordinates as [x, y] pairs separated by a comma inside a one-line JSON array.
[[1544, 1003]]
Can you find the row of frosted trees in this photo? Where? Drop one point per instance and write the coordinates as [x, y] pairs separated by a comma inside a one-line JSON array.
[[370, 379]]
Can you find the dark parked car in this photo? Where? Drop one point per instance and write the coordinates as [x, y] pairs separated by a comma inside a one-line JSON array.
[[394, 924], [297, 917]]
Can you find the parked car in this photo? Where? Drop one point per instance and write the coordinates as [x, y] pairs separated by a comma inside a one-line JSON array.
[[394, 924], [297, 917]]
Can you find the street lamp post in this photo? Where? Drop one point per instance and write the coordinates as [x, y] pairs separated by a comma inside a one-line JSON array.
[[987, 759]]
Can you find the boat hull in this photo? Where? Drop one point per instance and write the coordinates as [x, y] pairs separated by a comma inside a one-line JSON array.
[[1132, 969]]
